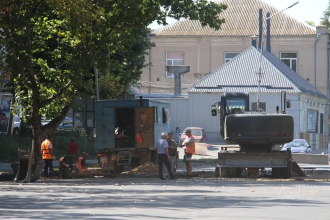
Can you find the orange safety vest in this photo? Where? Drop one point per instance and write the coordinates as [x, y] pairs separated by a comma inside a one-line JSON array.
[[46, 150], [190, 149], [79, 166]]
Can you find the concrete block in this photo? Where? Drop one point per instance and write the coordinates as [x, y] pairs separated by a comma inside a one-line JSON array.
[[311, 158], [200, 148]]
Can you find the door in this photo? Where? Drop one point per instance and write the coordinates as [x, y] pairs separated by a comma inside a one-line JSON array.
[[145, 119], [105, 128]]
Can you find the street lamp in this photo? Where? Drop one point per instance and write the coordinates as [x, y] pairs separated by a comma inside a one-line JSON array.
[[261, 44]]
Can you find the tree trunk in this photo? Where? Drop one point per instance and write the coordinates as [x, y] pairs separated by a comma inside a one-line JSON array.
[[35, 164]]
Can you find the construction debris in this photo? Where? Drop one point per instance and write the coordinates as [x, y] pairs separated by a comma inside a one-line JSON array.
[[147, 168]]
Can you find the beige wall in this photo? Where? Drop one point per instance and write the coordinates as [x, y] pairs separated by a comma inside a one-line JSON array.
[[205, 54]]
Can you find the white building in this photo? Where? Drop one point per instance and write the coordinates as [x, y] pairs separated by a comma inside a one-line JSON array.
[[308, 105]]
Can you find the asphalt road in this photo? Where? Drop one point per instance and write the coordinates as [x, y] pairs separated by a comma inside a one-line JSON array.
[[151, 198]]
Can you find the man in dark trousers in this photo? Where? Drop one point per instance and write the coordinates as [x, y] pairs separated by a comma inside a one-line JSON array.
[[172, 151], [47, 156], [189, 142], [72, 155], [163, 156]]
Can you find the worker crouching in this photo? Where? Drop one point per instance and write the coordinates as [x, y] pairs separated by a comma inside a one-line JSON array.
[[81, 164], [64, 168]]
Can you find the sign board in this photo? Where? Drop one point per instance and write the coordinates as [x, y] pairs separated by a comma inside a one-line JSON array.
[[5, 103]]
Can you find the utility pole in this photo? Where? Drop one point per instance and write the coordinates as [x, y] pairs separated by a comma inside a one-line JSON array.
[[261, 49]]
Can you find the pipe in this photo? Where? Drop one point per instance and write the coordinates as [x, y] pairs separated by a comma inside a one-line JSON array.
[[325, 119], [149, 71], [317, 39], [96, 73], [254, 43], [268, 32], [260, 27]]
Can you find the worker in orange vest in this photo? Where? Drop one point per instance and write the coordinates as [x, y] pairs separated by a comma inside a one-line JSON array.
[[81, 164], [47, 155], [189, 142]]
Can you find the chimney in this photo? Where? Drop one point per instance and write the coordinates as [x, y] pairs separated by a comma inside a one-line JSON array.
[[321, 30]]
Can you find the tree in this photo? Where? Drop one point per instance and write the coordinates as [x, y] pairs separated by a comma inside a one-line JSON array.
[[50, 46], [311, 23], [325, 19]]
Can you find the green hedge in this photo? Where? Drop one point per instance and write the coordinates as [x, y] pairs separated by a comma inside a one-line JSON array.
[[9, 145]]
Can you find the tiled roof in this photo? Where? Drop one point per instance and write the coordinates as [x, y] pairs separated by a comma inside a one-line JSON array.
[[242, 19], [240, 75]]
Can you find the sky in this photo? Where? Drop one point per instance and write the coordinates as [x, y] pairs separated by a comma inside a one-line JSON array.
[[310, 10]]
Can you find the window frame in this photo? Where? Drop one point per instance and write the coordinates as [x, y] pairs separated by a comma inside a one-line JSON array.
[[290, 60], [225, 59], [167, 75], [261, 106]]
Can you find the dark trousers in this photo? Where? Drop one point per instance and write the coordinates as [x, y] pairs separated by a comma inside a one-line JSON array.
[[71, 159], [48, 168], [162, 158]]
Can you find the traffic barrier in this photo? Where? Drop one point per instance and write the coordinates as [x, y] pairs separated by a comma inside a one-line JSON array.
[[200, 148], [311, 158]]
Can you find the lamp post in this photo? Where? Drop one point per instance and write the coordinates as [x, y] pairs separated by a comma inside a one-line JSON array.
[[261, 44]]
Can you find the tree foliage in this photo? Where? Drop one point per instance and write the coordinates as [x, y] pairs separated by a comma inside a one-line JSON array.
[[50, 47], [310, 23], [325, 19]]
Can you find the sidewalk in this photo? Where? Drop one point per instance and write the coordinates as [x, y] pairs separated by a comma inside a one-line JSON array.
[[56, 163], [211, 153]]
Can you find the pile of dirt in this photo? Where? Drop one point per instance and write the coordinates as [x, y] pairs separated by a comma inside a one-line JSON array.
[[205, 174], [146, 168]]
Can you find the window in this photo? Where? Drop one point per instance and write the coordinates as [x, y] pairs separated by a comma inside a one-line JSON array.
[[230, 56], [312, 121], [156, 114], [166, 115], [173, 59], [262, 105], [290, 59], [235, 105]]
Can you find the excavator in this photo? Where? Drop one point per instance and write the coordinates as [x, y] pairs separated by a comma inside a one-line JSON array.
[[256, 133]]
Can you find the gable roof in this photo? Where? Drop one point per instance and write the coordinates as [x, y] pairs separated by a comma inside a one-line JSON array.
[[240, 75], [242, 19]]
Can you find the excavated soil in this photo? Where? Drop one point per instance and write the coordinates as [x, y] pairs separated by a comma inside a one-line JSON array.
[[147, 168]]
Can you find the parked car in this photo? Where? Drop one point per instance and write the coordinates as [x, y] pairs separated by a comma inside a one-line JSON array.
[[65, 126], [68, 119], [198, 133], [298, 146]]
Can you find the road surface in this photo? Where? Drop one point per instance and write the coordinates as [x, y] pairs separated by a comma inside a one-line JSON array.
[[151, 198]]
